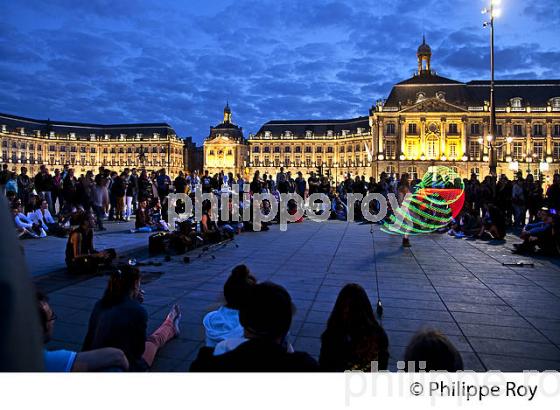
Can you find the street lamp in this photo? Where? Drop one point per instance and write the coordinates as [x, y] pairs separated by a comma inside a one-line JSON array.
[[493, 12], [492, 154]]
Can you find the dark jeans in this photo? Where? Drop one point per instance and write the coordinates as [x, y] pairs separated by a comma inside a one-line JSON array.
[[99, 214]]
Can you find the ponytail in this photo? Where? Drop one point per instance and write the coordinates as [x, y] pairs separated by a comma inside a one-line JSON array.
[[122, 280]]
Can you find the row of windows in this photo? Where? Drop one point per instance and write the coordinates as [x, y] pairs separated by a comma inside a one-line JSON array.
[[475, 129], [83, 149], [308, 149], [310, 134], [308, 162]]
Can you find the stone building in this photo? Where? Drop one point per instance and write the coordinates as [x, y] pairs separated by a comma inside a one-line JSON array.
[[426, 120], [30, 143], [225, 148]]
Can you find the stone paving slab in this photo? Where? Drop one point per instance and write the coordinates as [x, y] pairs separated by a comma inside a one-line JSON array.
[[499, 317]]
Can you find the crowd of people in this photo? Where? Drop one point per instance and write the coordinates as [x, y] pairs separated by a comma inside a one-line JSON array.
[[250, 332], [52, 204]]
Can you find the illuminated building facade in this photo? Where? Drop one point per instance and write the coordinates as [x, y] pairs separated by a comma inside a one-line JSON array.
[[31, 143], [426, 120], [225, 148]]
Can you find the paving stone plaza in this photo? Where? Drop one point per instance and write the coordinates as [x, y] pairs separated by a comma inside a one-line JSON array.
[[500, 317]]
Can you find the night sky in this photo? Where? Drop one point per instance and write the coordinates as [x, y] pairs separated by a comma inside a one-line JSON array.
[[119, 61]]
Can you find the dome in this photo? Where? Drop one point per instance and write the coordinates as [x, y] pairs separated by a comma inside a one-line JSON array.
[[424, 49]]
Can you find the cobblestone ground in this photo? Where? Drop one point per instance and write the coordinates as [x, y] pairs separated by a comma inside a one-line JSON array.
[[500, 317]]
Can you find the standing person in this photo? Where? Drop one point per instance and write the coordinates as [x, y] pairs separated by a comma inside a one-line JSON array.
[[518, 203], [133, 181], [534, 192], [163, 184], [240, 182], [100, 200], [402, 191], [144, 186], [301, 185], [4, 176], [180, 183], [44, 185], [129, 194], [255, 186], [112, 198], [206, 182], [281, 182], [57, 190], [85, 186], [553, 194], [25, 187], [11, 185], [69, 190], [119, 320], [353, 340], [291, 182], [314, 183], [118, 189]]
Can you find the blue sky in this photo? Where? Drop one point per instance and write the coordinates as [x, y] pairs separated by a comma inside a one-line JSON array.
[[118, 61]]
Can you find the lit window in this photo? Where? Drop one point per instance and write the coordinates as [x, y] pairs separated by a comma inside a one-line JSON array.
[[474, 150], [390, 149], [538, 150], [432, 147], [452, 150], [517, 150]]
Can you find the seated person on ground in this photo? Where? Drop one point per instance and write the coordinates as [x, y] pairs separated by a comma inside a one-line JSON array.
[[81, 257], [467, 223], [42, 216], [224, 323], [433, 350], [119, 320], [208, 227], [353, 338], [184, 237], [292, 210], [143, 221], [25, 226], [493, 224], [537, 234], [338, 209], [266, 319], [68, 361], [156, 216]]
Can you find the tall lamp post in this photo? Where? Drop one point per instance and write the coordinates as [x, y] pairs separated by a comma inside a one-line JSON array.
[[493, 12]]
